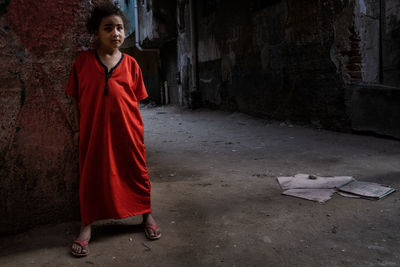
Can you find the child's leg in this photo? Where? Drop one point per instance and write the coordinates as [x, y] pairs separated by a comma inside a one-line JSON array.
[[85, 233]]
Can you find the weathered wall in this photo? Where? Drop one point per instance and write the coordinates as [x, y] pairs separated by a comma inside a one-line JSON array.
[[156, 22], [39, 179], [272, 58], [373, 64], [391, 42], [184, 53], [367, 27], [128, 7], [294, 60]]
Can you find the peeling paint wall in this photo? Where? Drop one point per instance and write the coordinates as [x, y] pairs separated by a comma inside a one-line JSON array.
[[367, 25], [184, 54], [127, 6], [373, 102], [281, 59], [345, 52], [287, 59], [269, 59], [39, 169], [156, 22], [366, 48]]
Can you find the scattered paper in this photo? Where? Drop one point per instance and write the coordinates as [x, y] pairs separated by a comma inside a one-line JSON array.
[[343, 194], [321, 189], [366, 189], [301, 181], [320, 195]]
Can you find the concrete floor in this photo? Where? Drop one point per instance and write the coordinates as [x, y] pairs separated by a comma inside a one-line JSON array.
[[217, 201]]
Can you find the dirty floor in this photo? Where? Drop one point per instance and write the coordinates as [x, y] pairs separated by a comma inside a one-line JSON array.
[[216, 198]]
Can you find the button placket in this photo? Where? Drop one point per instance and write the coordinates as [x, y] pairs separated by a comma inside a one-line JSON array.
[[108, 74]]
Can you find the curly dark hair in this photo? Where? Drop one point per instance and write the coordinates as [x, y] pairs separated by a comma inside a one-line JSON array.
[[101, 10]]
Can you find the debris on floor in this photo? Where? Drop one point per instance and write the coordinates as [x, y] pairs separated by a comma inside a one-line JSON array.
[[321, 189], [306, 181], [366, 190], [320, 195]]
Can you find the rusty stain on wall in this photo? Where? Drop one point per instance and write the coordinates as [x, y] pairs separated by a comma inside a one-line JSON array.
[[39, 179]]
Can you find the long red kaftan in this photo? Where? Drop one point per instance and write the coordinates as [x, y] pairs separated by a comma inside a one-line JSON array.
[[114, 181]]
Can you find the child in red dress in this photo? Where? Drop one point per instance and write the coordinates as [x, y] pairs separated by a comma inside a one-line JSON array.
[[106, 87]]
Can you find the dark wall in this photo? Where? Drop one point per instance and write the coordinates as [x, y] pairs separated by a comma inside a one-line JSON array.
[[391, 42], [149, 63], [157, 22], [271, 58], [292, 60], [169, 69]]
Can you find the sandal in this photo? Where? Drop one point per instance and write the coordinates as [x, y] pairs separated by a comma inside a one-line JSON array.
[[149, 228], [84, 248]]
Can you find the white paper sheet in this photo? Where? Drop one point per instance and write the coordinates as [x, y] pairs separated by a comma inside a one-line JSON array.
[[303, 181], [320, 195]]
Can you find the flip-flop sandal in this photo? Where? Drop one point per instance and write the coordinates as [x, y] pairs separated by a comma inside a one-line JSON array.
[[84, 248], [153, 227]]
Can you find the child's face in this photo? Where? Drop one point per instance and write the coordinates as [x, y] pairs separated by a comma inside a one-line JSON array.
[[111, 33]]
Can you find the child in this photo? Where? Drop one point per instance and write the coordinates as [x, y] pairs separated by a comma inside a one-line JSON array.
[[106, 87]]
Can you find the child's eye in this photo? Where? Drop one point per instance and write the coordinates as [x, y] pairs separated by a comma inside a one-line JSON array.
[[107, 29]]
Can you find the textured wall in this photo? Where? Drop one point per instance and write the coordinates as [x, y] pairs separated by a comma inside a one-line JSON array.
[[39, 179], [184, 61], [273, 58], [292, 60], [391, 42], [127, 6], [156, 22], [367, 25]]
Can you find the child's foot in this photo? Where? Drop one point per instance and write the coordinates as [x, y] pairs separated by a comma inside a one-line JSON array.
[[151, 229], [80, 247]]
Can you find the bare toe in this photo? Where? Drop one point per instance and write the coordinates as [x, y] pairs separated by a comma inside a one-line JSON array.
[[80, 248]]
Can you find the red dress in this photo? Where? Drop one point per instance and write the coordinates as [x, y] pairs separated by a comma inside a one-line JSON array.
[[114, 182]]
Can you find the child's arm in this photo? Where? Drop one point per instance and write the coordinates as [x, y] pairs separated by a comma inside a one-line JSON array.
[[76, 113], [77, 118]]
